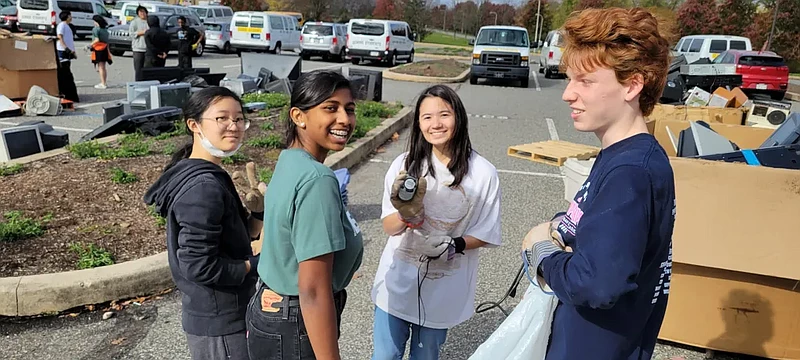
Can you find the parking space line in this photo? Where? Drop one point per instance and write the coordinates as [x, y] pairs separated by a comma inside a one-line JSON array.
[[232, 66], [88, 105], [54, 127], [536, 80], [528, 173], [551, 127]]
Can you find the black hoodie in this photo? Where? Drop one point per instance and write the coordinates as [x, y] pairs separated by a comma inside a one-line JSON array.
[[155, 38], [207, 242]]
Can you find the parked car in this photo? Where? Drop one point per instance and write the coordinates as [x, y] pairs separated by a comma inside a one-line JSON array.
[[41, 16], [323, 39], [696, 47], [379, 40], [218, 35], [763, 72], [119, 39], [8, 18], [214, 13], [501, 52], [550, 56], [264, 31]]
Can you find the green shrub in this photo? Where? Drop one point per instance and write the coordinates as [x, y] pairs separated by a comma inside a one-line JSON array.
[[273, 100], [160, 220], [364, 125], [18, 227], [237, 158], [119, 176], [267, 126], [376, 109], [91, 256], [180, 129], [270, 141], [265, 175], [169, 149], [7, 170], [132, 145]]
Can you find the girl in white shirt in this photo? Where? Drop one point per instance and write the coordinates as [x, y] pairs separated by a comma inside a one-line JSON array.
[[427, 275]]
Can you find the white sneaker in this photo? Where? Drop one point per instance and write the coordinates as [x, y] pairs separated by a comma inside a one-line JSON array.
[[100, 86]]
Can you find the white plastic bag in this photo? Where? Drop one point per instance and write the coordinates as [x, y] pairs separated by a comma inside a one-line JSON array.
[[524, 334]]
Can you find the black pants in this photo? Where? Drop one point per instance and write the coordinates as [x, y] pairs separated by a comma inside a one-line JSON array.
[[154, 61], [185, 60], [138, 64], [282, 335], [66, 82]]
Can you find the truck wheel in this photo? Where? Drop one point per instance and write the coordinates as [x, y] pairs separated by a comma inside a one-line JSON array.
[[473, 80], [354, 60], [547, 74], [117, 52], [524, 83]]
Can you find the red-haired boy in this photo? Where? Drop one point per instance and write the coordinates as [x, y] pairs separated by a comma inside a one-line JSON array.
[[613, 279]]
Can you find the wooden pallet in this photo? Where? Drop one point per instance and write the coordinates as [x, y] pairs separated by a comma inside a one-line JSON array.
[[553, 152], [65, 104]]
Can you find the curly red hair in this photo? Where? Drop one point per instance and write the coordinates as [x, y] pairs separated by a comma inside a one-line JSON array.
[[624, 40]]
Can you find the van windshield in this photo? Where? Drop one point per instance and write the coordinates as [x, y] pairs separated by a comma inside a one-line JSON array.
[[367, 29], [119, 4], [33, 4], [201, 12], [321, 30], [502, 37]]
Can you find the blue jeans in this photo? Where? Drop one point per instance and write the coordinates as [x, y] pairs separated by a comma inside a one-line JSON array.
[[390, 335]]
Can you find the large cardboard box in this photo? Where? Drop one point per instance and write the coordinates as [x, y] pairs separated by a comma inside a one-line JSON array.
[[733, 311], [734, 283], [27, 61], [709, 114]]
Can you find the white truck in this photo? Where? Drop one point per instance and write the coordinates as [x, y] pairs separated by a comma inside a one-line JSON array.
[[501, 52]]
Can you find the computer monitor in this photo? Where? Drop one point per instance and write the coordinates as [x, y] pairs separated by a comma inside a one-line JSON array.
[[169, 95], [20, 141], [135, 89]]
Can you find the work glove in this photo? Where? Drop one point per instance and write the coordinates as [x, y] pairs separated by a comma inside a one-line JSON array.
[[411, 211], [432, 246], [253, 190], [194, 47]]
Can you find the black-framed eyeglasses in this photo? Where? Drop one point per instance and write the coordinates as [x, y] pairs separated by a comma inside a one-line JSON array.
[[225, 122]]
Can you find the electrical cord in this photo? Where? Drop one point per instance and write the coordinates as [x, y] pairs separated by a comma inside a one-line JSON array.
[[512, 292]]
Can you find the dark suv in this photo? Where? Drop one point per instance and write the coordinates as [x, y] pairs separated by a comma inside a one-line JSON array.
[[120, 40]]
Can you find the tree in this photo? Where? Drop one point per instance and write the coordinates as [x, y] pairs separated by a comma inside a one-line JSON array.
[[787, 30], [736, 16], [667, 23], [416, 15], [526, 17], [563, 11], [697, 17], [589, 4], [278, 5], [246, 5], [388, 9]]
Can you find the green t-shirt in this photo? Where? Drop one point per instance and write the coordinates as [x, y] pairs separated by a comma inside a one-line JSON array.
[[304, 218], [98, 33]]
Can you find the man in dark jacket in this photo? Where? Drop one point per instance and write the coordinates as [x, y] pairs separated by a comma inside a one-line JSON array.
[[157, 42], [189, 39]]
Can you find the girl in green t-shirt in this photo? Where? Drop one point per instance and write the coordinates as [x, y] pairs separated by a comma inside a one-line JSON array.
[[312, 245], [100, 52]]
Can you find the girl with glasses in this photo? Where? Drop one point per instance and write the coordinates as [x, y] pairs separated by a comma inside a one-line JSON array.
[[209, 229]]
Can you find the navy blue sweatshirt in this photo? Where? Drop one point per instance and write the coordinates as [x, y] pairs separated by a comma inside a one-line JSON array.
[[207, 243], [613, 287]]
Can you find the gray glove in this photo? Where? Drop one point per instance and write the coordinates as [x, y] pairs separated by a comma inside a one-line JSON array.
[[432, 246]]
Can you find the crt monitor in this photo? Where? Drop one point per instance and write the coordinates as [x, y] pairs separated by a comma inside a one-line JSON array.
[[135, 89], [20, 141], [169, 95]]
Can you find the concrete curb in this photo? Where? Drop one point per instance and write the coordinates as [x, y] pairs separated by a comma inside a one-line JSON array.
[[389, 74], [418, 44], [792, 96], [56, 292]]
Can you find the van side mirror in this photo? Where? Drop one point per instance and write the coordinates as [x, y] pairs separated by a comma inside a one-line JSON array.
[[472, 41], [544, 44]]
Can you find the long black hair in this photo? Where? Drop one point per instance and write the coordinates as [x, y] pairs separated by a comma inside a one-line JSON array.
[[310, 90], [419, 149], [194, 108], [100, 21]]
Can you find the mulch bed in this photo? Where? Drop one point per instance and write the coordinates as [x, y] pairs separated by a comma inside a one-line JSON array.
[[85, 206], [434, 68]]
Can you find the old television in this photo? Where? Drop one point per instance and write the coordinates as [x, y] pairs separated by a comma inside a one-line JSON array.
[[169, 95], [20, 141]]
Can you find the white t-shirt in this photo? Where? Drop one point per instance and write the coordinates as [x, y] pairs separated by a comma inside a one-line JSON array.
[[448, 290], [65, 31]]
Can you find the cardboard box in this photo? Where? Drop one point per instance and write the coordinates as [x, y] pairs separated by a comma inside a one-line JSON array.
[[739, 97], [722, 97], [733, 311], [734, 216], [27, 61], [733, 116]]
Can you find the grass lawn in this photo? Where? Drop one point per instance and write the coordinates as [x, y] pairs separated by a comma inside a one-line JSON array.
[[438, 38]]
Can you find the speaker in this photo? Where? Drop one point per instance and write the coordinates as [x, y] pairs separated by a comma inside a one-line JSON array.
[[282, 67], [279, 86], [51, 139], [373, 87], [768, 114], [673, 89], [151, 122], [113, 111]]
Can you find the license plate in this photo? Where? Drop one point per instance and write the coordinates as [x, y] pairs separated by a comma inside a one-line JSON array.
[[499, 75], [318, 41], [761, 86], [255, 36], [373, 53], [41, 27]]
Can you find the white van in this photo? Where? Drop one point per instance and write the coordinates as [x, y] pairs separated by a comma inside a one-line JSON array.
[[129, 9], [696, 47], [550, 56], [381, 40], [215, 13], [42, 16], [501, 52], [264, 31]]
